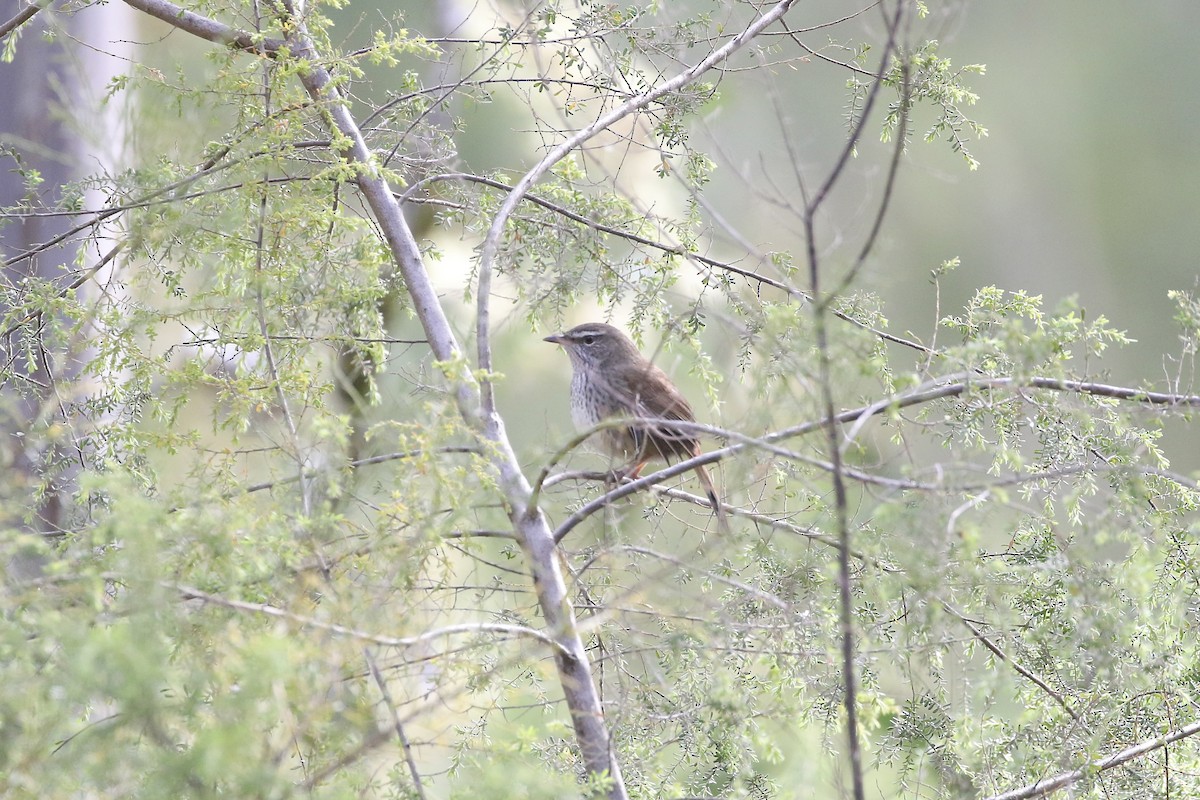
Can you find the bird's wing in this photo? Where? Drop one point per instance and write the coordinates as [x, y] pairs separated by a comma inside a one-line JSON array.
[[658, 399]]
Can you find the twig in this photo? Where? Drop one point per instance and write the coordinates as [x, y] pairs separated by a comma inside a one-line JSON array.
[[189, 593], [1065, 779], [995, 650], [743, 587], [72, 286], [724, 266], [601, 227], [397, 723], [361, 462], [927, 392], [96, 217], [840, 501], [22, 16]]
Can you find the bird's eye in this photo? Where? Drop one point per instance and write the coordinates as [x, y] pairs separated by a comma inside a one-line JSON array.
[[589, 340]]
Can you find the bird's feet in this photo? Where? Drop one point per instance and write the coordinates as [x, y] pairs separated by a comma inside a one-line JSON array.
[[620, 475]]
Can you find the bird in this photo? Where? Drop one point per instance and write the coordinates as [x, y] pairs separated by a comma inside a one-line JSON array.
[[611, 379]]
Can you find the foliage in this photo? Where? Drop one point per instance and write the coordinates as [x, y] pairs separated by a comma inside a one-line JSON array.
[[255, 548]]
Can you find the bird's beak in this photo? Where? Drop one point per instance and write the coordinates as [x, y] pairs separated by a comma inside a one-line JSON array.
[[554, 338]]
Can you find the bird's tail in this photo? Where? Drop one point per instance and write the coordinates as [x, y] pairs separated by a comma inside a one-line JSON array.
[[711, 491]]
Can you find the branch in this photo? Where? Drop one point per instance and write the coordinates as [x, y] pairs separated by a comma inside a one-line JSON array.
[[767, 521], [825, 367], [75, 284], [22, 16], [1065, 779], [995, 650], [759, 594], [664, 247], [398, 723], [188, 593], [96, 217], [209, 29], [889, 185], [959, 384], [610, 229], [361, 462]]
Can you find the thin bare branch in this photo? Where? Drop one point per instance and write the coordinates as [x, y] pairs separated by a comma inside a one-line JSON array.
[[210, 29], [889, 185], [21, 17], [1063, 780], [397, 723], [766, 597], [83, 278], [995, 650], [960, 384], [96, 217], [855, 137], [361, 462], [189, 593], [601, 227]]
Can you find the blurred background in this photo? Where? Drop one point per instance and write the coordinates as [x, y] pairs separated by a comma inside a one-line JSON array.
[[1089, 179], [1088, 185]]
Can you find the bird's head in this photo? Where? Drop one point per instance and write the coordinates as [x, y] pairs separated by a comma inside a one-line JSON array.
[[595, 344]]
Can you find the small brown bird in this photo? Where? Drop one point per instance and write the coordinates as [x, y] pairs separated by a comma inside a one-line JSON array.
[[612, 379]]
